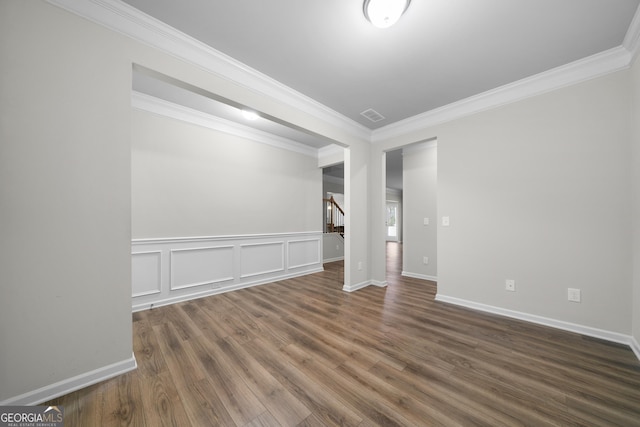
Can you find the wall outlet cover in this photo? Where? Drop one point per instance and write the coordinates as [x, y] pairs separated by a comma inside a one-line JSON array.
[[510, 285]]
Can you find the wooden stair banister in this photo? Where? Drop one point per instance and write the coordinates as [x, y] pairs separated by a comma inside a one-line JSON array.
[[334, 219]]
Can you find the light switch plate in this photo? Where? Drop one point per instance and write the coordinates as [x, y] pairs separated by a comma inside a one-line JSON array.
[[445, 221], [573, 295]]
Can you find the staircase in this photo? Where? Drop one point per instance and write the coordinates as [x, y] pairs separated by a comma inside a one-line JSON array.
[[334, 217]]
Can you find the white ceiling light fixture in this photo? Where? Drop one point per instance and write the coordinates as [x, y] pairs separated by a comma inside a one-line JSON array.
[[384, 13], [250, 115]]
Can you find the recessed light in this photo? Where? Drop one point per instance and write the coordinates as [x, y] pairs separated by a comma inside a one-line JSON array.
[[250, 115]]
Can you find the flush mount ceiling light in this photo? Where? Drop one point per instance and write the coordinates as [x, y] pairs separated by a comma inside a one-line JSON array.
[[384, 13]]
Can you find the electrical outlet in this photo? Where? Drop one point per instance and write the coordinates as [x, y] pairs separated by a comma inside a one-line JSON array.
[[573, 295], [425, 260], [425, 221], [510, 285]]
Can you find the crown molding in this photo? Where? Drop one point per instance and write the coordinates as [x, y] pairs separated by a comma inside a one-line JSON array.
[[125, 19], [330, 150], [584, 69], [420, 146], [632, 38], [129, 21], [151, 104]]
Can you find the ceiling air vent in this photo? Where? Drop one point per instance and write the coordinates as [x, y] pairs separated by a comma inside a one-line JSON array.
[[372, 115]]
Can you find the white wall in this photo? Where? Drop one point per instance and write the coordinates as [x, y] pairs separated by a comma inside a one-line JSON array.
[[419, 182], [538, 191], [188, 180], [357, 240], [332, 185], [636, 204], [332, 247], [65, 305]]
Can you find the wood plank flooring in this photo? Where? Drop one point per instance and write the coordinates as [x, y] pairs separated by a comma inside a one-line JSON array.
[[302, 352]]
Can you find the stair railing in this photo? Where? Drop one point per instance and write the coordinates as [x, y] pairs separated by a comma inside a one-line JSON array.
[[334, 217]]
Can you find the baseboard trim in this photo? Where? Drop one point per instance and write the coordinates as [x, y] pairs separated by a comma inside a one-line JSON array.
[[380, 284], [419, 276], [216, 291], [545, 321], [635, 347], [328, 260], [72, 384], [357, 286]]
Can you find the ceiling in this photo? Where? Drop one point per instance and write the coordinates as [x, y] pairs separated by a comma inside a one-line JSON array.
[[440, 52], [394, 169]]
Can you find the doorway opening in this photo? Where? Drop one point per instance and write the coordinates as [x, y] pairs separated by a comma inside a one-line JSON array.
[[411, 210], [333, 207], [392, 221]]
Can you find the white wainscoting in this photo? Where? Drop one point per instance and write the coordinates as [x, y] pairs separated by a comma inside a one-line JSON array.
[[145, 273], [166, 271]]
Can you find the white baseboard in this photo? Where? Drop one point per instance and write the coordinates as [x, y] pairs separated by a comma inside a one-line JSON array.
[[545, 321], [357, 286], [419, 276], [635, 347], [69, 385], [361, 285], [340, 258], [216, 291]]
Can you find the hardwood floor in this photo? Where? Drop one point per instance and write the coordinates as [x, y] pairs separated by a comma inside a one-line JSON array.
[[302, 352]]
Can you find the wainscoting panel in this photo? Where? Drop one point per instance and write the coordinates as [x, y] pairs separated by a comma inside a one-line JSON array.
[[303, 253], [166, 271], [145, 273], [261, 258], [200, 266]]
